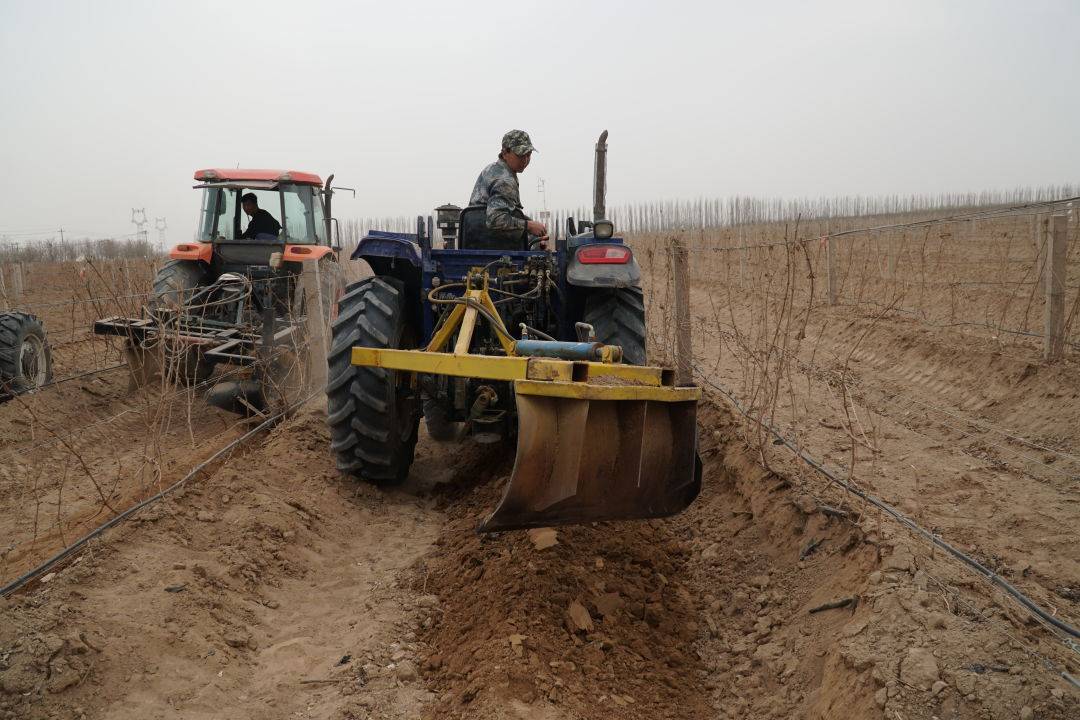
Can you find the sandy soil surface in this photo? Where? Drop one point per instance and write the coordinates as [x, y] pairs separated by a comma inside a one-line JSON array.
[[276, 589], [267, 590]]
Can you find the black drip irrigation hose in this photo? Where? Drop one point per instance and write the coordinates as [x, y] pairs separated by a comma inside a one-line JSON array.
[[70, 550], [911, 525], [6, 394]]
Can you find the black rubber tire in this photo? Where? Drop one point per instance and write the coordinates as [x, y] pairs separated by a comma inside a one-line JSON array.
[[174, 284], [618, 317], [439, 427], [373, 419], [176, 281], [16, 330]]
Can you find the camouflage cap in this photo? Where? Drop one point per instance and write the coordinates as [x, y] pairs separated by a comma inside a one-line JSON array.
[[518, 142]]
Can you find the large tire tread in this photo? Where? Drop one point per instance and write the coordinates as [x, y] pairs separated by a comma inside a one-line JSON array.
[[14, 328], [372, 429], [176, 281], [618, 317]]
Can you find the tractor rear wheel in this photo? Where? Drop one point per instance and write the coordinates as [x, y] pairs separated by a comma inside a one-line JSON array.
[[174, 284], [25, 357], [618, 317], [373, 413]]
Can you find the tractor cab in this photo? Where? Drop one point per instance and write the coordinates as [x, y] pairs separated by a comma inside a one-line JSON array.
[[298, 201], [294, 199], [258, 303]]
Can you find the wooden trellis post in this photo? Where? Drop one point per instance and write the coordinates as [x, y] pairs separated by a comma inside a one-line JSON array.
[[830, 265], [1057, 243], [17, 281], [684, 351]]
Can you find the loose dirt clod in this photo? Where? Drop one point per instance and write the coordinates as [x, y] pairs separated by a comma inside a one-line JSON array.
[[543, 538], [919, 668], [578, 618]]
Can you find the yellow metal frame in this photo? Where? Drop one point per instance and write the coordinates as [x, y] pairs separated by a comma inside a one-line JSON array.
[[530, 375], [463, 317], [590, 391], [537, 376]]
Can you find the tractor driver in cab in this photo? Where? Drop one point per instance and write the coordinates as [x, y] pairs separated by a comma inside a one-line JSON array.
[[497, 189], [261, 222]]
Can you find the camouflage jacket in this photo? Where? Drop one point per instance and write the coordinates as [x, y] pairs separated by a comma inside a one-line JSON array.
[[497, 188]]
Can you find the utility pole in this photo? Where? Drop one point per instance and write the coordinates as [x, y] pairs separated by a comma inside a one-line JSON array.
[[160, 225], [541, 187]]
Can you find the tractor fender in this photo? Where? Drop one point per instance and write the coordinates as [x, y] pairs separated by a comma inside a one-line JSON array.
[[603, 275], [389, 246], [395, 255], [302, 253], [203, 252]]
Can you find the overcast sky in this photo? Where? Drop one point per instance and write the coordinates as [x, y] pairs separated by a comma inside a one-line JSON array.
[[107, 106]]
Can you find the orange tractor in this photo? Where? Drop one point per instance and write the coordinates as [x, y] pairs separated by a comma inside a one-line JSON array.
[[233, 297]]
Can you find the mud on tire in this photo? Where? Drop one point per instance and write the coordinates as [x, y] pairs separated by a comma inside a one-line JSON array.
[[618, 317], [373, 415], [25, 357]]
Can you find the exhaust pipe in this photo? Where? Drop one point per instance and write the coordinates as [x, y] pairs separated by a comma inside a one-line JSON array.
[[599, 208]]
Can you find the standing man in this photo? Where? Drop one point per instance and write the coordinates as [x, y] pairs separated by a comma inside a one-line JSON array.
[[497, 189], [260, 222]]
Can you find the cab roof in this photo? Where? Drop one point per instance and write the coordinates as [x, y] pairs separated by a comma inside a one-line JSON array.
[[242, 175]]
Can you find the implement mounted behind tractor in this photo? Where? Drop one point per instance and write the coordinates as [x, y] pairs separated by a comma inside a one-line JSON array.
[[494, 338]]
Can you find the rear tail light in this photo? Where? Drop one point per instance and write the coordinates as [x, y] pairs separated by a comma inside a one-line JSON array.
[[604, 255]]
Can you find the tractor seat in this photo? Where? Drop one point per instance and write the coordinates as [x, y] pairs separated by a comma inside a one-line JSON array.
[[476, 236]]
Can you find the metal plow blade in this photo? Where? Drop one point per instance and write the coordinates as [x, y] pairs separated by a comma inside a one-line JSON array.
[[582, 460]]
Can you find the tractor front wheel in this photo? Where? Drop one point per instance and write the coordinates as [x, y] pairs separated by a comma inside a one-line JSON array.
[[618, 318], [373, 413]]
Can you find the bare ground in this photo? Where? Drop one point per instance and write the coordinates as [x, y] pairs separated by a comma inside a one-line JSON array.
[[276, 589]]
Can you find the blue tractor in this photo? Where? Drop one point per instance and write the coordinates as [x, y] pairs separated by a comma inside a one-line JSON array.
[[497, 339]]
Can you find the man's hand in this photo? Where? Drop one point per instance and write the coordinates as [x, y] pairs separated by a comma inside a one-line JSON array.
[[538, 229]]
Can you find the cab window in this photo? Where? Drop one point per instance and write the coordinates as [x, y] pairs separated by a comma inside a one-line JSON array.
[[303, 213]]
